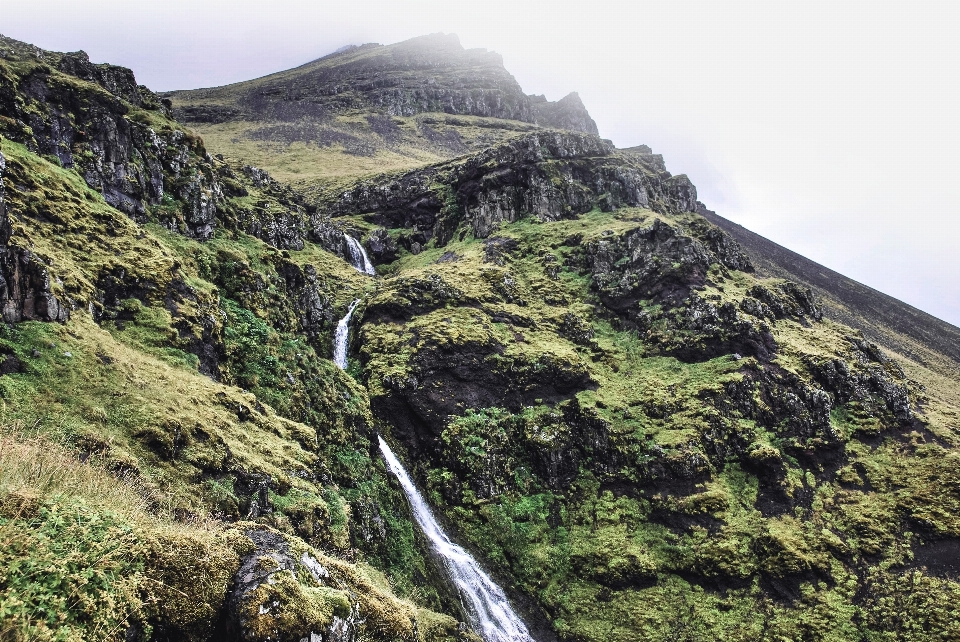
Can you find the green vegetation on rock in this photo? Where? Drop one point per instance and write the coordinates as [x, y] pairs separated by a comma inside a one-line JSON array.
[[640, 434]]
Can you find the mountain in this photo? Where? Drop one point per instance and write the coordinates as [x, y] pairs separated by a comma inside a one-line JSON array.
[[892, 323], [643, 421], [369, 108]]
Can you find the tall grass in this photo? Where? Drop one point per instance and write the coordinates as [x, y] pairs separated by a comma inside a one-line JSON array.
[[73, 540], [36, 466]]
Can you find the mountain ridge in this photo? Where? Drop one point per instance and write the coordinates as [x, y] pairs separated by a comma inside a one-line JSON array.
[[632, 419], [396, 87], [887, 316]]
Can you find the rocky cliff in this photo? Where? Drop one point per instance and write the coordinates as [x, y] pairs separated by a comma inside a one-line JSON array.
[[639, 429], [369, 108], [426, 74]]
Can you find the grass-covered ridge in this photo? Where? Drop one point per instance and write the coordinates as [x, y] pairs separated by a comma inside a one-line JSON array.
[[645, 495], [639, 435]]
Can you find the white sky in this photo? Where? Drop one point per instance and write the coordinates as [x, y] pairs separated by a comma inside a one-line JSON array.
[[832, 128]]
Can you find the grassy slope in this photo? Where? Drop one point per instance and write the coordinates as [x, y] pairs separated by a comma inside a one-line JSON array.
[[848, 556], [128, 395], [296, 156], [89, 555], [314, 152], [896, 325]]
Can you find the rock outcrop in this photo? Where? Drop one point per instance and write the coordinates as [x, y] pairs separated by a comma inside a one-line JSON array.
[[547, 175], [567, 113], [25, 283], [269, 601], [114, 132]]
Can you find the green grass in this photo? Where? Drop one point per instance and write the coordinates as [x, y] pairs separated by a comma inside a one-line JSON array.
[[620, 565], [629, 493]]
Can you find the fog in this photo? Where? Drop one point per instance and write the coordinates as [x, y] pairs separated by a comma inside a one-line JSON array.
[[828, 127]]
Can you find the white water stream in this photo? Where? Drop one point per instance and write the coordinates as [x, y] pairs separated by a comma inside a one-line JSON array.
[[340, 339], [485, 604], [358, 257]]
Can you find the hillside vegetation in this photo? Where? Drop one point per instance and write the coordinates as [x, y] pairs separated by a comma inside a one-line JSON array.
[[372, 108], [640, 429]]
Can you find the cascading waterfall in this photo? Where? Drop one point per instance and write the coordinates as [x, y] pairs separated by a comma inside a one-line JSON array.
[[341, 337], [358, 257], [485, 604]]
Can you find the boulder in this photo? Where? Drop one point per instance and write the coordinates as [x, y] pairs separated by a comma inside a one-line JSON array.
[[278, 595]]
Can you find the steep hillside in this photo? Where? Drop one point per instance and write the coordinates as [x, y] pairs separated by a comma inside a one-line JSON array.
[[369, 108], [640, 427], [183, 360], [894, 324]]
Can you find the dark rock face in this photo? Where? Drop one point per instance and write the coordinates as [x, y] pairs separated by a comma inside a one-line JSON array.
[[787, 300], [445, 382], [283, 219], [411, 296], [727, 251], [114, 133], [25, 287], [497, 249], [330, 237], [206, 114], [655, 262], [567, 113], [381, 247], [283, 223], [867, 378], [649, 277], [704, 330], [119, 81], [548, 175], [427, 74], [5, 230], [313, 308]]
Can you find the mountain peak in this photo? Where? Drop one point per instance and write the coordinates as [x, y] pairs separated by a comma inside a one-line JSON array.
[[430, 73], [439, 40], [642, 425]]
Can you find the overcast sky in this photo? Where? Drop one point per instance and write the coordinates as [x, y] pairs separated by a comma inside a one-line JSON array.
[[832, 128]]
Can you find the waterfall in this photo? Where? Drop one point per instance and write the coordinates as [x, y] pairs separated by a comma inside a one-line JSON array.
[[358, 257], [340, 338], [485, 604]]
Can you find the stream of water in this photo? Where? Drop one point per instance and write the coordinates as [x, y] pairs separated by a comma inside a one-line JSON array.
[[487, 608], [358, 256], [340, 339]]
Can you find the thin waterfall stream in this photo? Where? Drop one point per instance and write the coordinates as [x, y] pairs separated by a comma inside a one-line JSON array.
[[342, 336], [358, 256], [485, 603]]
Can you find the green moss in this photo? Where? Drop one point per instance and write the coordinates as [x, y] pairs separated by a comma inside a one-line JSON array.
[[629, 493], [70, 571]]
